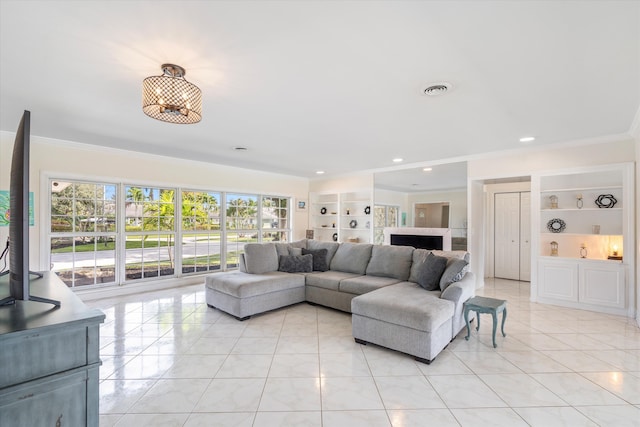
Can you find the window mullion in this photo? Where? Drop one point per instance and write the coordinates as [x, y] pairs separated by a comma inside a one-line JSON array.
[[177, 233]]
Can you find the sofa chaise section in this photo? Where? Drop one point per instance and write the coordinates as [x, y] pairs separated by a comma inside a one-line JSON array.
[[243, 295], [257, 287], [403, 317]]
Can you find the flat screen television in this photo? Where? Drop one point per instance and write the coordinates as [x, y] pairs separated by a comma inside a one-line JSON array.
[[19, 274]]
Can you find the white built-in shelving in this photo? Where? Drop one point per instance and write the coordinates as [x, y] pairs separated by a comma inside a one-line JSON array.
[[585, 272], [341, 216]]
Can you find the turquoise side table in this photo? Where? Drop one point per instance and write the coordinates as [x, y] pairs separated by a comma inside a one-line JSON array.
[[485, 305]]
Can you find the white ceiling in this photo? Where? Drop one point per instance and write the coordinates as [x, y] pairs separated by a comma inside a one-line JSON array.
[[315, 85], [417, 180]]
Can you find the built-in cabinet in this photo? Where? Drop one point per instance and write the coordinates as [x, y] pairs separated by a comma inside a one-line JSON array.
[[585, 253], [342, 217]]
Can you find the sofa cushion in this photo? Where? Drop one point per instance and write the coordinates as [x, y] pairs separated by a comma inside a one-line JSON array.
[[243, 285], [390, 261], [331, 248], [352, 258], [260, 258], [295, 251], [363, 284], [453, 254], [328, 279], [419, 255], [290, 247], [454, 272], [296, 263], [405, 304], [319, 258], [431, 271]]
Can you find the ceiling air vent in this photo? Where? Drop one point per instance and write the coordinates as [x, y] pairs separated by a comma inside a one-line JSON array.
[[437, 89]]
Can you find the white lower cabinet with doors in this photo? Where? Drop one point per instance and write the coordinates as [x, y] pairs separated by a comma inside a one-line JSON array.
[[597, 283], [585, 238]]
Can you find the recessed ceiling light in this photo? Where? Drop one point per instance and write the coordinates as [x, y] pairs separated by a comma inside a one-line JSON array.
[[240, 148], [397, 160], [437, 89], [319, 172], [427, 169], [527, 139]]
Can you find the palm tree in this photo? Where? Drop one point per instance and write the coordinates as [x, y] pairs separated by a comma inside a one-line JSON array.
[[160, 216]]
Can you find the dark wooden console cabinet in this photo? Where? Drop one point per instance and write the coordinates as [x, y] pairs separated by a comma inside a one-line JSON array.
[[49, 358]]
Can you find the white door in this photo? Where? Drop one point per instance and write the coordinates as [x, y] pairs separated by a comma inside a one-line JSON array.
[[507, 236], [525, 236]]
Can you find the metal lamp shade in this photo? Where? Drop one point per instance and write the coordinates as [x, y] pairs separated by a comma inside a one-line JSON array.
[[171, 99]]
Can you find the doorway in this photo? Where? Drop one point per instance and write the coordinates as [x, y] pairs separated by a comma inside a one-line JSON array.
[[512, 235]]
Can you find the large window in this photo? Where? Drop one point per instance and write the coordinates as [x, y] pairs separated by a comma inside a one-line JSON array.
[[83, 234], [275, 219], [114, 233], [149, 232], [201, 231], [242, 225]]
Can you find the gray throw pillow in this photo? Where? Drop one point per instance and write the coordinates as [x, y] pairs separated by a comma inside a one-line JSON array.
[[296, 263], [454, 272], [319, 258], [431, 271]]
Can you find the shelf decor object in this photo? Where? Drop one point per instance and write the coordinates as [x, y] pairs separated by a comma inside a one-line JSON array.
[[606, 201], [583, 250], [323, 211], [335, 237], [579, 202], [596, 229], [553, 202], [353, 223], [556, 225], [615, 255], [367, 210], [309, 234], [554, 248]]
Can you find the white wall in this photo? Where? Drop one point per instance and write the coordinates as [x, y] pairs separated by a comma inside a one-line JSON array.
[[62, 159], [525, 162], [340, 184], [635, 131]]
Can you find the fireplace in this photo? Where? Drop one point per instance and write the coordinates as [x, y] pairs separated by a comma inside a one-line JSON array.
[[418, 242], [418, 237]]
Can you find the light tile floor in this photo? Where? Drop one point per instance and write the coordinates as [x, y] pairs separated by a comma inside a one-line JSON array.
[[169, 360]]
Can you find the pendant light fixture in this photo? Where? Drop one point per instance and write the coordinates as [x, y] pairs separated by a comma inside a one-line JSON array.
[[171, 98]]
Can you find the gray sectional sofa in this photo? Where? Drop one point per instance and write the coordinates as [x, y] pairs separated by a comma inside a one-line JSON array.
[[393, 293]]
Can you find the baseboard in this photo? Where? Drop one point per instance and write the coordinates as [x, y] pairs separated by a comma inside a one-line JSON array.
[[136, 288]]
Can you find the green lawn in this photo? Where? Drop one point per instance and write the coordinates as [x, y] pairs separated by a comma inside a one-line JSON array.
[[131, 244]]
